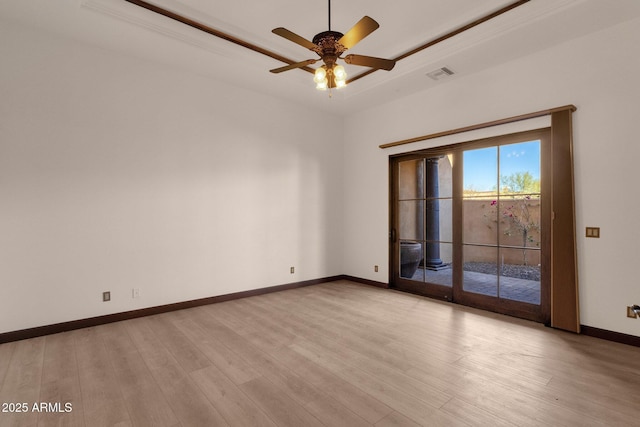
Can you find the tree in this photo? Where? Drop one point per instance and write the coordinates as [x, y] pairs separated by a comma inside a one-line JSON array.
[[520, 182]]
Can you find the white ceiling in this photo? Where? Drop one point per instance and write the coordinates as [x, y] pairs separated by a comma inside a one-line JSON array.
[[404, 24]]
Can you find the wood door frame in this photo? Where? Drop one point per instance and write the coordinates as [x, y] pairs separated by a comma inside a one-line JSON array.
[[540, 313]]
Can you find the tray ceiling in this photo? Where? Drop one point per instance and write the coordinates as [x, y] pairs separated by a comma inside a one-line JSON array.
[[404, 25]]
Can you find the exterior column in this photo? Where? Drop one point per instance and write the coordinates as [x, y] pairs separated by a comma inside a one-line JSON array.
[[432, 260]]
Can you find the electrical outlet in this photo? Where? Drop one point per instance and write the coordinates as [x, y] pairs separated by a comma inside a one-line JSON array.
[[630, 313], [106, 296], [375, 268], [135, 293], [293, 270]]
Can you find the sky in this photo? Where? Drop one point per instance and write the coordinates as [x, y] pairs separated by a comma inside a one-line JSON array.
[[481, 166]]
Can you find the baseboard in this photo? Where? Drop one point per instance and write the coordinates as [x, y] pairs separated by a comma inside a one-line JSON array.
[[366, 281], [610, 335], [117, 317]]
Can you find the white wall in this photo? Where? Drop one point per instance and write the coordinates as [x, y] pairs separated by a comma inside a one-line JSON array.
[[116, 173], [597, 73]]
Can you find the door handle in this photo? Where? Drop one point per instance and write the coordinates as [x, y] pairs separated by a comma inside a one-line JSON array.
[[392, 235]]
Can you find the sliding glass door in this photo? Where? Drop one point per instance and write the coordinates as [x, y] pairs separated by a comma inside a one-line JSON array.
[[470, 223]]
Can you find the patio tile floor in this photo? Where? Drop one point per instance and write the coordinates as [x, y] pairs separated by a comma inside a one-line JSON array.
[[510, 287]]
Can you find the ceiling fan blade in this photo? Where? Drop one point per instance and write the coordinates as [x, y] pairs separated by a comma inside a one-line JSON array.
[[362, 29], [283, 32], [294, 66], [370, 61]]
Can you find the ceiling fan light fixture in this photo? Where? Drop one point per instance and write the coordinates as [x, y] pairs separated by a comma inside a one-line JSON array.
[[320, 78], [339, 72], [329, 78], [339, 76], [320, 74]]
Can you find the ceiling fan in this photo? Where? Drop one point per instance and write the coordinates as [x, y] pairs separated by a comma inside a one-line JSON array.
[[330, 45]]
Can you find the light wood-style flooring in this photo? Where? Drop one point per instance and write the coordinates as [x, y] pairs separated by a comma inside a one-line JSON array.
[[336, 354]]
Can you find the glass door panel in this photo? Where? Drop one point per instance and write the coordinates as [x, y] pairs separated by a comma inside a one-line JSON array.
[[423, 212], [501, 212]]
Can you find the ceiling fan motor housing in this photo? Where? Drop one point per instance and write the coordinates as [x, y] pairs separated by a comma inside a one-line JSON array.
[[333, 35], [329, 48]]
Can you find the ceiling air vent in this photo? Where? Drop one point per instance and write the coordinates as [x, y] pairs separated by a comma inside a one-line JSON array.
[[440, 73]]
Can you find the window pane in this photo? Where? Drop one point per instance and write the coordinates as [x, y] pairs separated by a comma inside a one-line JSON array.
[[442, 274], [411, 179], [411, 255], [520, 275], [480, 172], [438, 173], [480, 220], [480, 270], [519, 220], [443, 207], [520, 168], [411, 220]]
